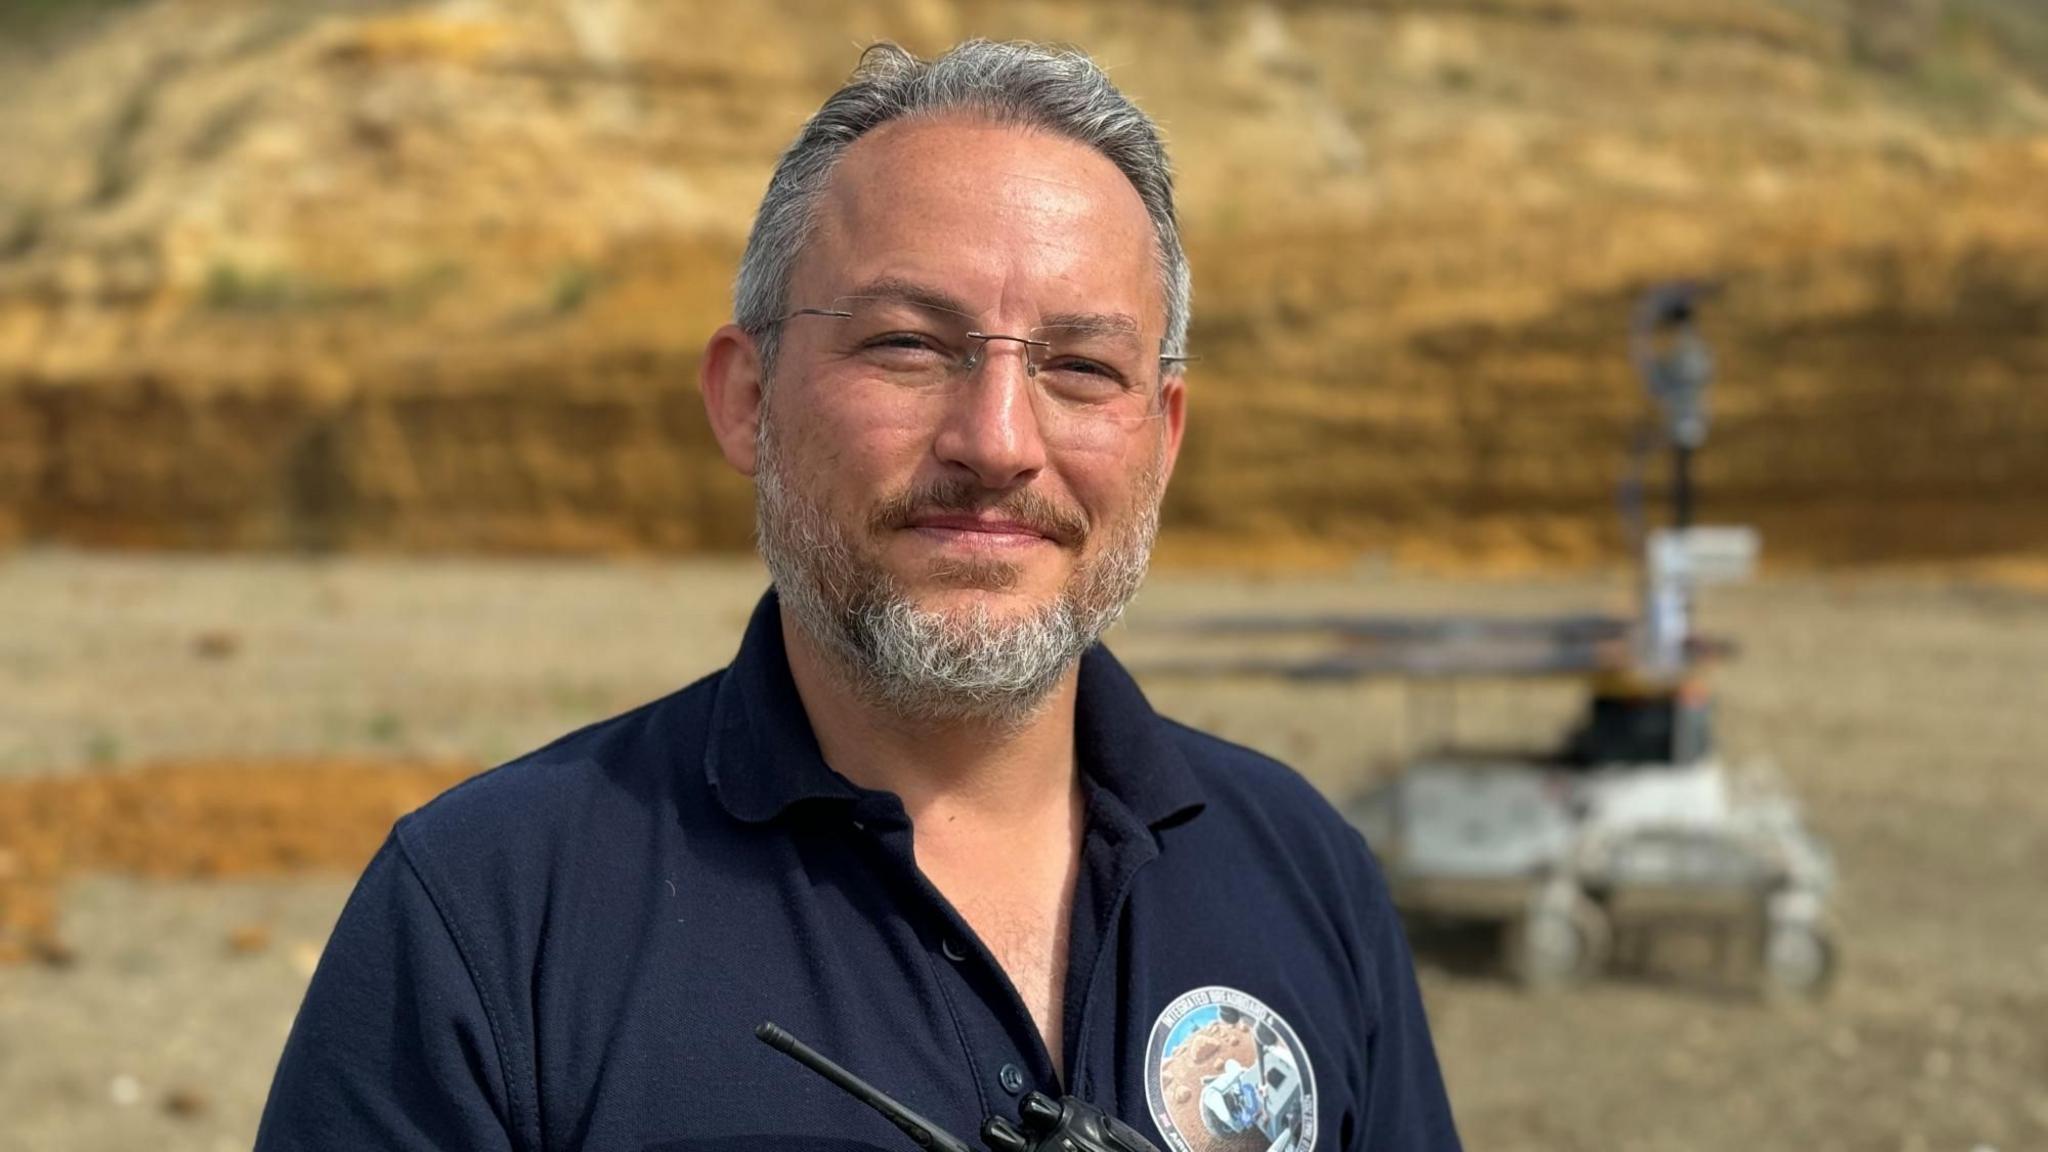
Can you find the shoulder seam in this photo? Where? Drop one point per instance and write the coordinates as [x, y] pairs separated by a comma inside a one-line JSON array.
[[463, 950]]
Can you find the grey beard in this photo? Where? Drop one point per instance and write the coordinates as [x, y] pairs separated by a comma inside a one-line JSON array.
[[924, 666]]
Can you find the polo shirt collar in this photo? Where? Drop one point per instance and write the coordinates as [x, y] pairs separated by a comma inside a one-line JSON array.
[[762, 756], [1126, 748]]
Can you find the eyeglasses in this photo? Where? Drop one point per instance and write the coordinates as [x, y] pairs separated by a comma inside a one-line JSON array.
[[1092, 379]]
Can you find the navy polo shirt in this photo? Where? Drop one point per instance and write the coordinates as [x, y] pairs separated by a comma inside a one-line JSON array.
[[572, 951]]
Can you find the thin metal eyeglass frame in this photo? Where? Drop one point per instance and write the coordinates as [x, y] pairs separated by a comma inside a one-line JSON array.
[[973, 361]]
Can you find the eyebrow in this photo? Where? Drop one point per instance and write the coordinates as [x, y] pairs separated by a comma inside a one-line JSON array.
[[912, 292], [1093, 321]]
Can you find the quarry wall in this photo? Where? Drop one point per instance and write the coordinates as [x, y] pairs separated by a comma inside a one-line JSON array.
[[389, 276]]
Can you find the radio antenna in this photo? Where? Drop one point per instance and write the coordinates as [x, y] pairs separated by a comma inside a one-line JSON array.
[[921, 1131]]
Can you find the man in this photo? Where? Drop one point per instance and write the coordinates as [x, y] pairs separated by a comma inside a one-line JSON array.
[[922, 821]]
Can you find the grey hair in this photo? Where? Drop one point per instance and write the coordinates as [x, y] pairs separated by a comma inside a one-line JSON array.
[[1056, 91]]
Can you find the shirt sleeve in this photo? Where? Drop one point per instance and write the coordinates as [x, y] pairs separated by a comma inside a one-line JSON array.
[[1406, 1108], [393, 1047]]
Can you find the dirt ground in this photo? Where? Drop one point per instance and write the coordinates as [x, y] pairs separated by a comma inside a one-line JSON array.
[[1906, 712]]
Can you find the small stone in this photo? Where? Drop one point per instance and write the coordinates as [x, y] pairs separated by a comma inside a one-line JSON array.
[[184, 1103], [217, 644], [125, 1091], [52, 952], [248, 939]]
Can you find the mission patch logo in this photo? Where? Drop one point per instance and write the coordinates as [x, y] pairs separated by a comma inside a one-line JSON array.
[[1224, 1073]]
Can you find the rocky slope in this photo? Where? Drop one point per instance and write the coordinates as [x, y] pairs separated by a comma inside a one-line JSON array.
[[354, 275]]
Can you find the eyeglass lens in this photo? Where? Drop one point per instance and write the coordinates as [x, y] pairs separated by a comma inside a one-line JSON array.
[[1090, 378]]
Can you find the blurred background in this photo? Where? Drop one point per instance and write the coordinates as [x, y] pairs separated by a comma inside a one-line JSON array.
[[349, 443]]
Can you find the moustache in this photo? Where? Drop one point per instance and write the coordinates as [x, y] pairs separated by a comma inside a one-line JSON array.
[[1064, 526]]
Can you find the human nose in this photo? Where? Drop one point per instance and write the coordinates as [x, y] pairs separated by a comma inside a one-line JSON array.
[[991, 427]]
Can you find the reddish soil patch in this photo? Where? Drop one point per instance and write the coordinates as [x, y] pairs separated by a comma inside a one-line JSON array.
[[189, 820]]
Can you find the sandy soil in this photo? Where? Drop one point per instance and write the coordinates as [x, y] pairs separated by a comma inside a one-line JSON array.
[[1906, 713]]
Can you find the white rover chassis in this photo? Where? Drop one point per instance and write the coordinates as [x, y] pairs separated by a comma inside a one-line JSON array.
[[1576, 862]]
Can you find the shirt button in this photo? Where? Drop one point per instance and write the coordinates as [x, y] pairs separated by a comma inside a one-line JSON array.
[[1012, 1079], [952, 949]]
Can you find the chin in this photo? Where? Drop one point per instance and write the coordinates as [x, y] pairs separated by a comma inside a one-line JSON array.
[[955, 593], [985, 576]]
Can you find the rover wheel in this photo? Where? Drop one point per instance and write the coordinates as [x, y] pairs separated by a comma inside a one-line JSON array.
[[1561, 939], [1798, 960]]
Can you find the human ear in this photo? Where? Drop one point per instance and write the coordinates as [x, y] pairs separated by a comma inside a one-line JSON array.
[[1173, 394], [729, 375]]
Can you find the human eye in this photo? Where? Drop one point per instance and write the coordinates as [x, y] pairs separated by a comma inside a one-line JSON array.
[[1085, 384], [1081, 372], [907, 356], [899, 338], [904, 340], [1084, 377]]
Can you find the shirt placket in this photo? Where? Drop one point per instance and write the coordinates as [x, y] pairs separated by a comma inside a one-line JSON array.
[[999, 1040], [1118, 847]]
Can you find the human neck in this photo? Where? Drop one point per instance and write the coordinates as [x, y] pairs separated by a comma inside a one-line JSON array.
[[945, 771]]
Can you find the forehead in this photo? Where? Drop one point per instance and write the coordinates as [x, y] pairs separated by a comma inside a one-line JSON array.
[[1000, 217]]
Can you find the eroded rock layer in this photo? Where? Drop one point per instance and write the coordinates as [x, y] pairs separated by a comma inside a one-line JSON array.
[[434, 276]]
